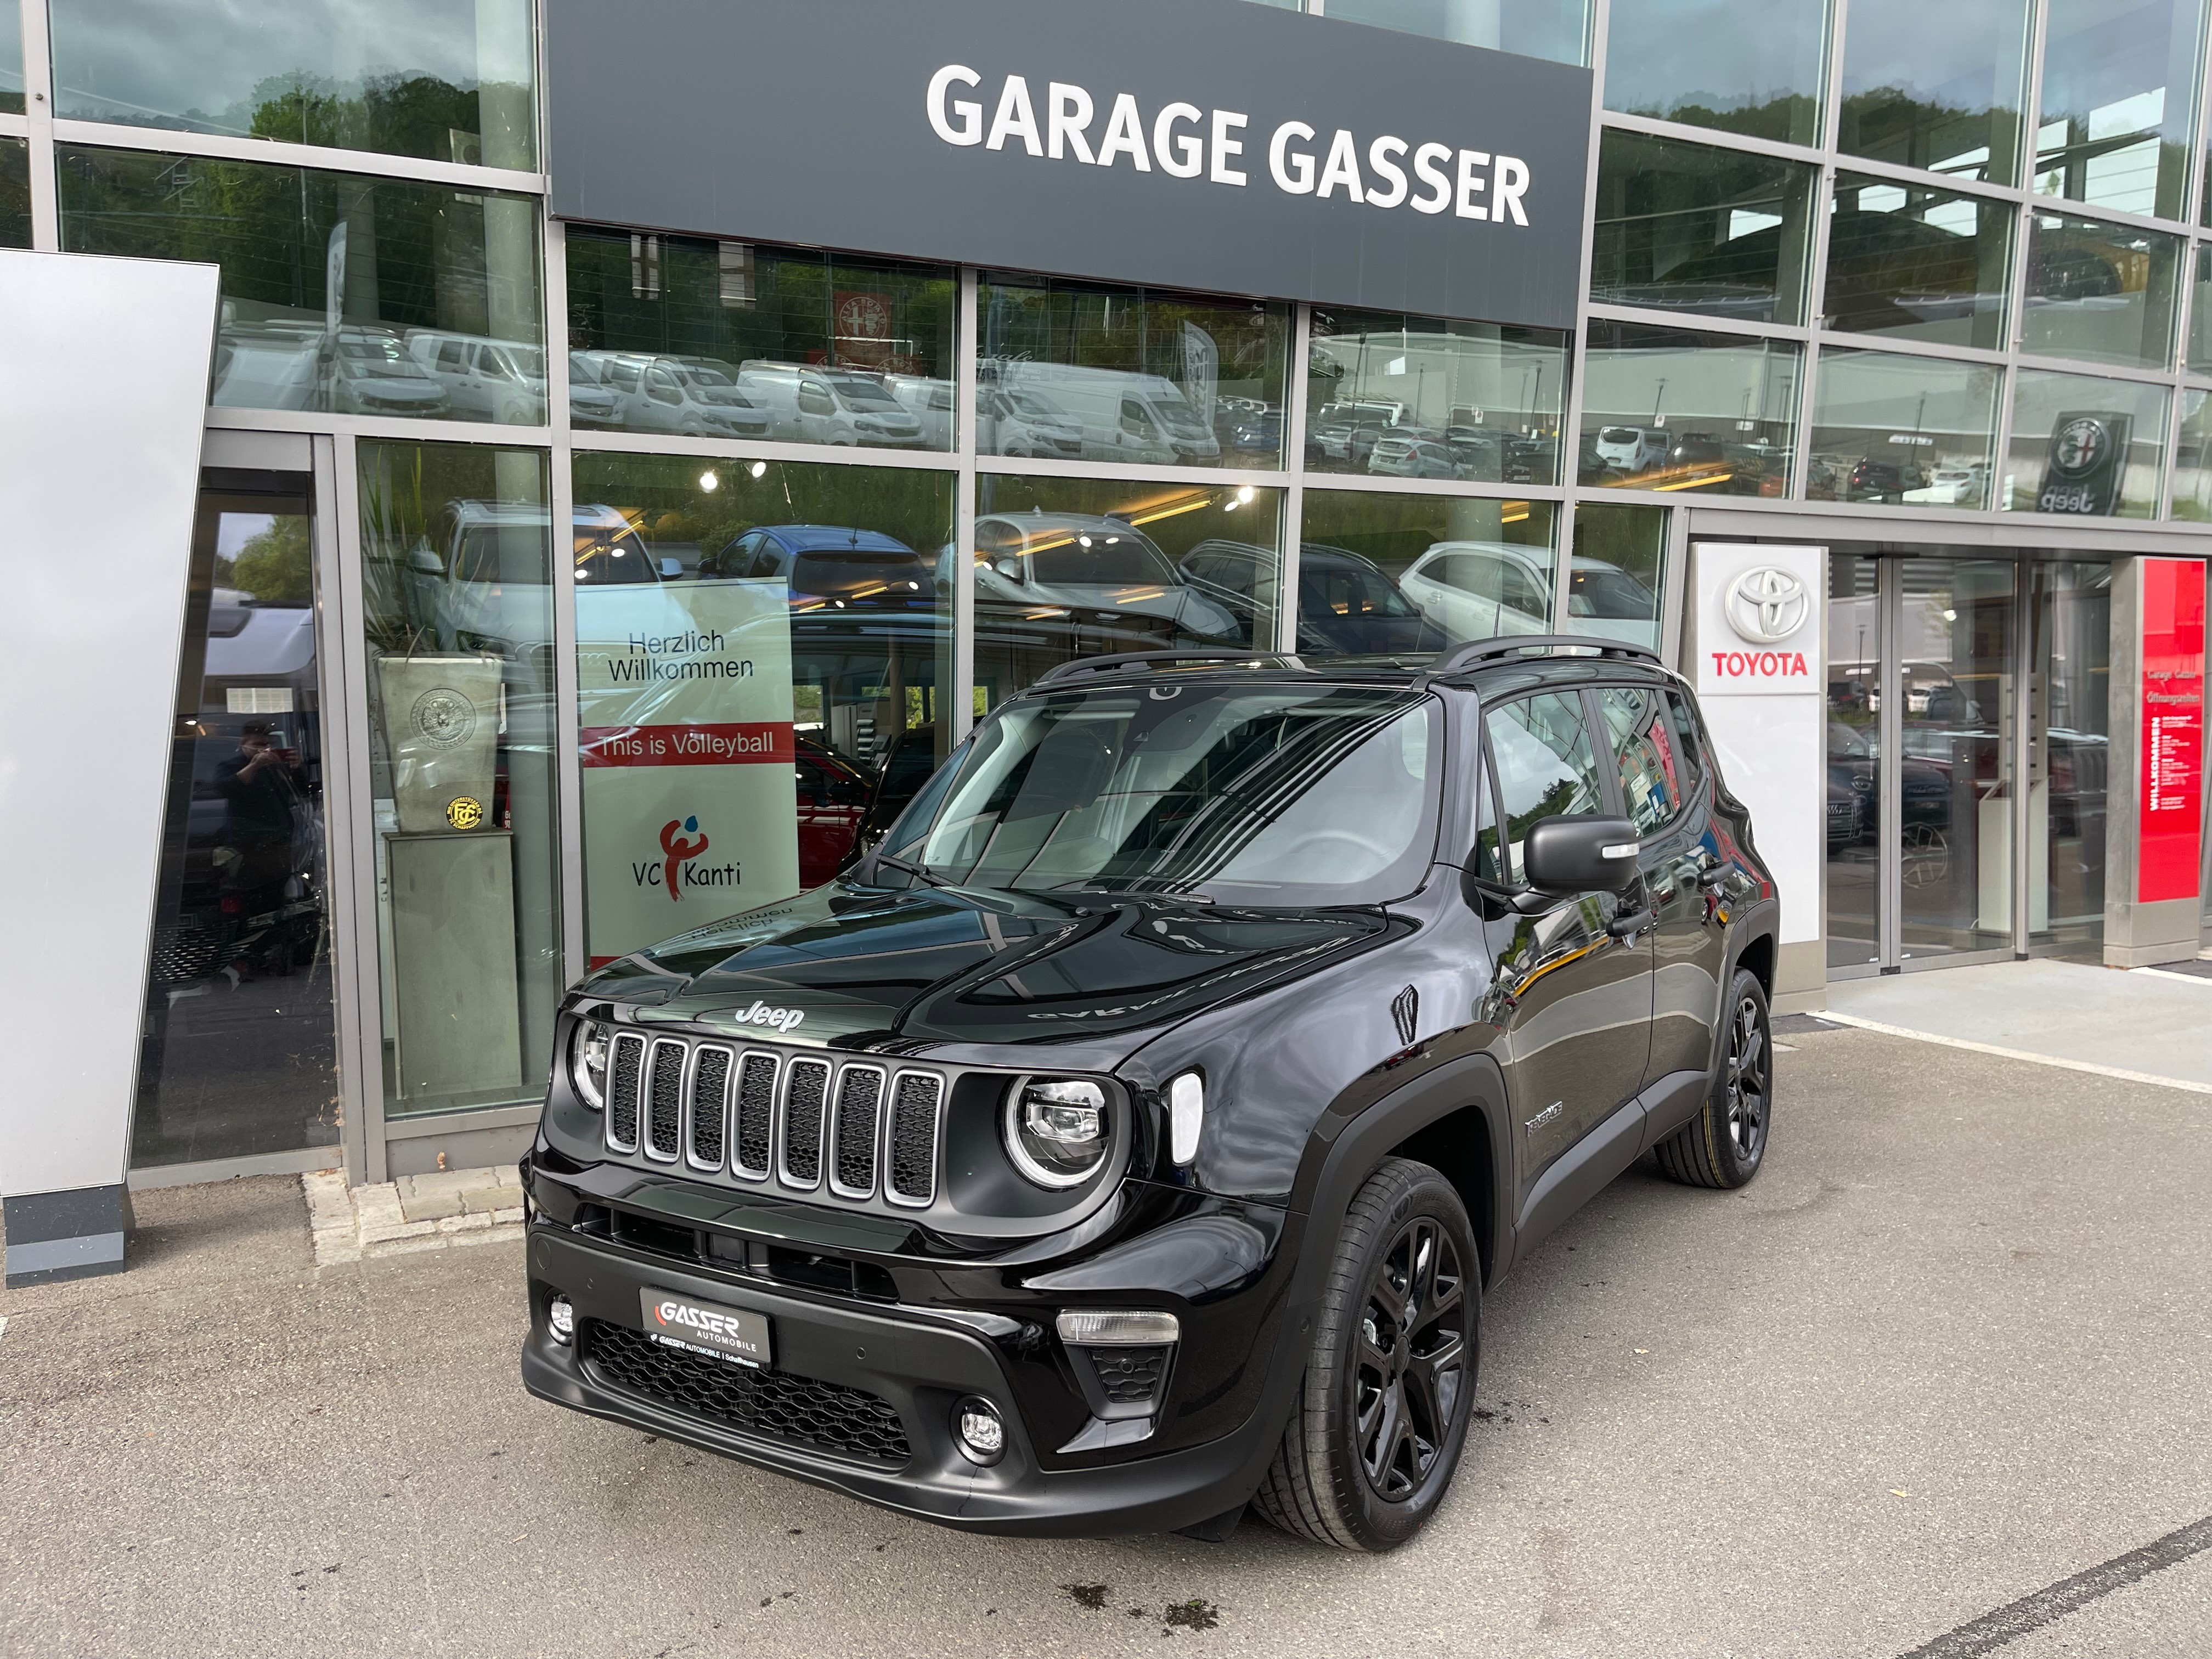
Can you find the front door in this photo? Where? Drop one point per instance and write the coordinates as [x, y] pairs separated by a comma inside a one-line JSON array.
[[1575, 1001]]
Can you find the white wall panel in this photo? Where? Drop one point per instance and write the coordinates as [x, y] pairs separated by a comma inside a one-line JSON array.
[[103, 388]]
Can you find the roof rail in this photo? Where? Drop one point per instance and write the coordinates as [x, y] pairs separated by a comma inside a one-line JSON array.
[[1108, 665], [1475, 652]]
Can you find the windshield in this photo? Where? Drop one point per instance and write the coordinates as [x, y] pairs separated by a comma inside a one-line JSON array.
[[1175, 413], [1281, 796], [862, 393], [528, 360], [703, 374]]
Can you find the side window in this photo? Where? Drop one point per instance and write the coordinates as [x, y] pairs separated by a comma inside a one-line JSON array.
[[660, 386], [491, 365], [1134, 420], [1639, 726], [814, 398], [622, 376], [1547, 767], [1687, 755], [449, 355]]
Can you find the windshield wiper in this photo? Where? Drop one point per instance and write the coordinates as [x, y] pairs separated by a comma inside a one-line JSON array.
[[914, 869]]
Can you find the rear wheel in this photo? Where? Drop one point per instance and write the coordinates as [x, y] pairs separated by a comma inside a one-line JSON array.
[[1725, 1143], [1382, 1411]]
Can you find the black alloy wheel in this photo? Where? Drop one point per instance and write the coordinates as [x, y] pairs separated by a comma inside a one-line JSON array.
[[1748, 1079], [1726, 1142], [1410, 1363], [1382, 1412]]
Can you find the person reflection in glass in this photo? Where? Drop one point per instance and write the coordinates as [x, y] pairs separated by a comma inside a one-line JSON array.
[[261, 787]]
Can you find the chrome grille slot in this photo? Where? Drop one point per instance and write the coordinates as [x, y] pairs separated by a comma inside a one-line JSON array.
[[805, 1094], [663, 1115], [625, 1075], [756, 1124], [710, 1094], [859, 1106], [911, 1174]]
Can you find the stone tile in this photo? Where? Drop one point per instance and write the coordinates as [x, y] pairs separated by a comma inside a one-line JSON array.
[[485, 1199], [430, 1207]]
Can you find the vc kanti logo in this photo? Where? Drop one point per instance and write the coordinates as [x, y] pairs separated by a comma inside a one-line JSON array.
[[681, 841]]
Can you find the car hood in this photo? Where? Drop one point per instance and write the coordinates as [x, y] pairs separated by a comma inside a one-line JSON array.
[[938, 970]]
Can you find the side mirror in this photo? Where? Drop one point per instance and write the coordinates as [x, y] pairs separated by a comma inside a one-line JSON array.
[[1580, 855]]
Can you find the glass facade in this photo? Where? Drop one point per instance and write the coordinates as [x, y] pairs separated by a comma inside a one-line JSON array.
[[341, 293], [1696, 64], [719, 339], [457, 613], [1425, 398], [1691, 227], [428, 78], [795, 578]]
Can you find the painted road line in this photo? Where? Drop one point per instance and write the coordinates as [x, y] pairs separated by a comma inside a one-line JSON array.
[[2168, 973], [2093, 1069]]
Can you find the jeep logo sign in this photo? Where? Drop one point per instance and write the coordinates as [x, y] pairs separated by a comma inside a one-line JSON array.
[[1208, 144]]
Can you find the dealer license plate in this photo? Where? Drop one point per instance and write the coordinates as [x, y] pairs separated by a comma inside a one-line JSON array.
[[681, 1322]]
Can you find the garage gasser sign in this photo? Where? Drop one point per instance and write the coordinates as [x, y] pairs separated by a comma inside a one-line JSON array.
[[684, 690]]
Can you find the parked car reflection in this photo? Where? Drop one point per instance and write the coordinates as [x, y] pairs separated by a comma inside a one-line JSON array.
[[1090, 568], [1348, 604], [837, 567], [371, 373]]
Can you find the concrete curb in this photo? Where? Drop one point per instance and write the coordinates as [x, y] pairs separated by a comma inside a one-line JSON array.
[[414, 1212]]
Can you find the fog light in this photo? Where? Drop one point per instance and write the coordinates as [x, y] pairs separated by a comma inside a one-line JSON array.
[[560, 1319], [982, 1430]]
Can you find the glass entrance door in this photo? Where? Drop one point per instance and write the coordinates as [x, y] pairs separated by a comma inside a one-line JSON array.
[[240, 1057], [1921, 750]]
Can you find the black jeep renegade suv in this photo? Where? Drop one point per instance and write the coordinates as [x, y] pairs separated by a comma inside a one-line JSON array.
[[1131, 1135]]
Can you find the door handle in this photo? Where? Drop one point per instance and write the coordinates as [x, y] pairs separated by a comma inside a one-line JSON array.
[[1629, 927]]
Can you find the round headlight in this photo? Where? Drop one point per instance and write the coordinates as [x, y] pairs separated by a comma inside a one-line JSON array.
[[1056, 1131], [587, 1061]]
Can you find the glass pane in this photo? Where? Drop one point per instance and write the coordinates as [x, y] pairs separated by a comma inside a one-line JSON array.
[[1697, 64], [1935, 87], [2192, 461], [241, 1056], [1900, 429], [1918, 263], [1546, 766], [1446, 400], [2085, 445], [11, 58], [358, 295], [1685, 227], [458, 619], [1410, 574], [760, 648], [405, 77], [711, 339], [2119, 108], [1556, 29], [1619, 573], [14, 192], [1068, 568], [1854, 761], [1639, 726], [2200, 313], [2102, 293], [1665, 409], [2070, 739], [1954, 788], [1073, 371]]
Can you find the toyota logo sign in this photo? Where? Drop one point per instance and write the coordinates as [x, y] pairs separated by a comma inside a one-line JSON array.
[[1767, 604]]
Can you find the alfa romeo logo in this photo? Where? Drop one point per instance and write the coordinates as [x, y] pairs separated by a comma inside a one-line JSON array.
[[443, 717], [1767, 604], [2079, 446]]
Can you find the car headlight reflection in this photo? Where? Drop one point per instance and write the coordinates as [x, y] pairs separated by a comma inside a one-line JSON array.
[[1056, 1130], [587, 1061]]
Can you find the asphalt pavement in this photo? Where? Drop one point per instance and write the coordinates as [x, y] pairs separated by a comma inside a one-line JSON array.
[[1934, 1384]]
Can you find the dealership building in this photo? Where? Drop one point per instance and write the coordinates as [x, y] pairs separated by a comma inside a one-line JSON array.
[[874, 358]]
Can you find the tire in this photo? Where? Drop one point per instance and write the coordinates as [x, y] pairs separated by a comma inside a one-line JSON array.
[[1380, 1389], [1725, 1143]]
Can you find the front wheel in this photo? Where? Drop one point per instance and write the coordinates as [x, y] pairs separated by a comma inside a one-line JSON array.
[[1725, 1143], [1389, 1382]]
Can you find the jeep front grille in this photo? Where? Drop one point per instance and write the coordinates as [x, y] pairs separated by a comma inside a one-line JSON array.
[[865, 1130], [710, 1092], [664, 1122], [802, 1411], [756, 1117]]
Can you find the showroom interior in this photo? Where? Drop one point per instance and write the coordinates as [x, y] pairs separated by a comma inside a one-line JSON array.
[[1928, 289]]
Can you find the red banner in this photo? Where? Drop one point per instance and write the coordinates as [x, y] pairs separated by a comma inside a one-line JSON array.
[[686, 746], [2171, 801]]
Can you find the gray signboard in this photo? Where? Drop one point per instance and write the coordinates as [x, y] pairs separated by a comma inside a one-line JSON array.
[[1208, 144]]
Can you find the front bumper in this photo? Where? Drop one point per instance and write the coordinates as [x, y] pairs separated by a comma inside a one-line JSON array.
[[918, 1362]]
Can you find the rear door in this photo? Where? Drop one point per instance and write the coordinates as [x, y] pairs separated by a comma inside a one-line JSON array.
[[1665, 794], [1575, 1002]]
